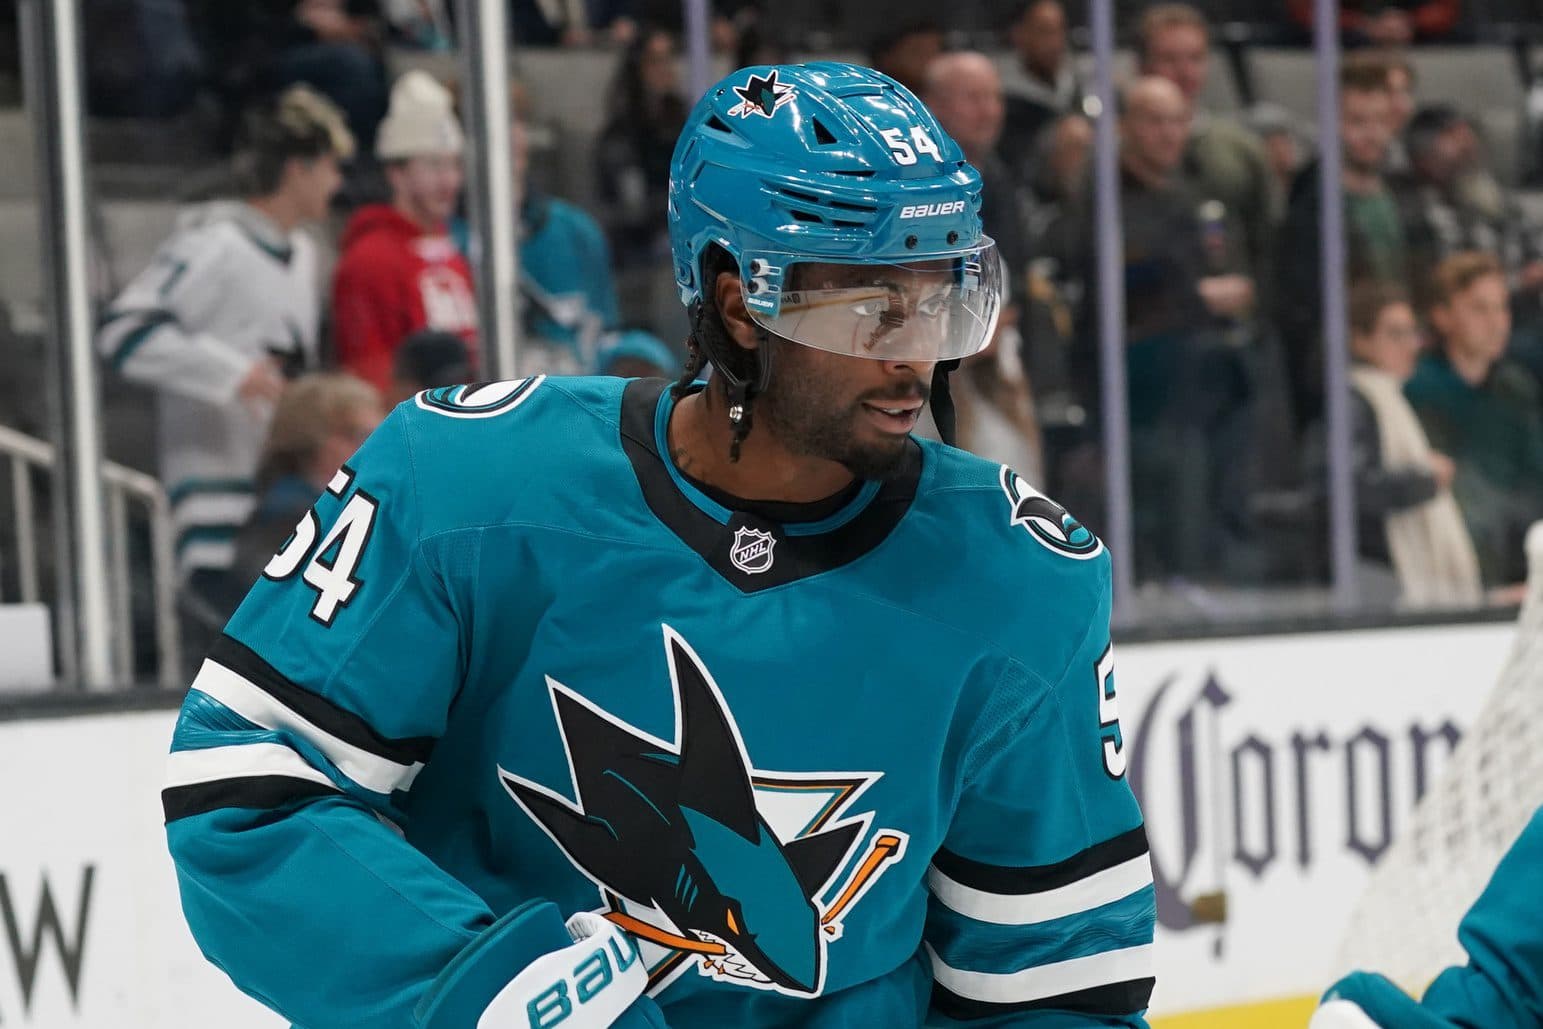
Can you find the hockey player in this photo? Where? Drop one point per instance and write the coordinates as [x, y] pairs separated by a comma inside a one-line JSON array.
[[226, 310], [1501, 987], [796, 719]]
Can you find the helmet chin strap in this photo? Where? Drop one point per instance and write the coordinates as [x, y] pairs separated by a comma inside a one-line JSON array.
[[742, 393], [943, 401]]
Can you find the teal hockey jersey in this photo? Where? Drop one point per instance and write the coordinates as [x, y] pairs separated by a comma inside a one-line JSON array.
[[850, 764]]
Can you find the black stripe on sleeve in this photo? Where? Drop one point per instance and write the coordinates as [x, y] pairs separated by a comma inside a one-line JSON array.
[[1115, 999], [263, 792], [316, 709], [1039, 878]]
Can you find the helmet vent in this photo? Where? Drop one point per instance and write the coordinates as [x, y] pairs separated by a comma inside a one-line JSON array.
[[856, 174], [805, 216], [716, 122], [822, 135]]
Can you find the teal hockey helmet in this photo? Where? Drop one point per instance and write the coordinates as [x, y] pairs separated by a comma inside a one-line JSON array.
[[853, 217], [833, 165]]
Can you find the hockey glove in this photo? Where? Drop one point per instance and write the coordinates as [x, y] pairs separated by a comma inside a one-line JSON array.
[[587, 975]]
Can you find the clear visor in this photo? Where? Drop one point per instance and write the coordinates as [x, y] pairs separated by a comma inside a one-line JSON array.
[[933, 309]]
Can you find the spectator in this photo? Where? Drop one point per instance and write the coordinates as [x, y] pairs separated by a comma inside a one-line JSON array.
[[1045, 86], [1451, 202], [399, 270], [1385, 22], [550, 22], [1398, 73], [224, 312], [1482, 408], [260, 46], [425, 360], [905, 49], [995, 408], [1190, 397], [647, 110], [1414, 545], [1060, 163], [964, 91], [730, 20], [1226, 162], [1374, 237], [1401, 85], [1061, 160], [141, 58], [320, 421], [1164, 221], [635, 354], [420, 24], [1284, 147], [566, 284]]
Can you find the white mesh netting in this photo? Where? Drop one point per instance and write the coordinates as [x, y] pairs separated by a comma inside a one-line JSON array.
[[1405, 924]]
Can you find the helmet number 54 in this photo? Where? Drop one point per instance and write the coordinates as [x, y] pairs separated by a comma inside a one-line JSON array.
[[904, 152]]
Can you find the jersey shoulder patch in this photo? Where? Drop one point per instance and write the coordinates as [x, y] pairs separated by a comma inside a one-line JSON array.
[[1047, 522], [478, 399]]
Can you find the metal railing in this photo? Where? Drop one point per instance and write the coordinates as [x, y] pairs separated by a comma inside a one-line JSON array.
[[123, 485]]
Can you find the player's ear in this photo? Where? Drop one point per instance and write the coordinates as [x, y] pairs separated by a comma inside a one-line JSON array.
[[729, 292]]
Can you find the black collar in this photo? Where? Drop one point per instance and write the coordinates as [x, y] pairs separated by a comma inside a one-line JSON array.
[[752, 551]]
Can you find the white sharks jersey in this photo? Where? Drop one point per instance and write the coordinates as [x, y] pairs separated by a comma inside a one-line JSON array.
[[226, 290]]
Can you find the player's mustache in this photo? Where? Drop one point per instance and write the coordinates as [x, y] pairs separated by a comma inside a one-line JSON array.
[[917, 391]]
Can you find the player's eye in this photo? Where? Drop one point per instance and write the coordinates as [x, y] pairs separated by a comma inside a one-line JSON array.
[[869, 308], [934, 306]]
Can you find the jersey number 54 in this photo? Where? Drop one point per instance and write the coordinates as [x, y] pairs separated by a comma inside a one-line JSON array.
[[329, 566]]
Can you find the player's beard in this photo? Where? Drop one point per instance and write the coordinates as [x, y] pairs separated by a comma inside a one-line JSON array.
[[812, 416]]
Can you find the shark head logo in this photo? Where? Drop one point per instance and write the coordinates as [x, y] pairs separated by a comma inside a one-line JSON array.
[[676, 831]]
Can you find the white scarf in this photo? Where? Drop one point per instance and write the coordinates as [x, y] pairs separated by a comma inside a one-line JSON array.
[[1432, 552]]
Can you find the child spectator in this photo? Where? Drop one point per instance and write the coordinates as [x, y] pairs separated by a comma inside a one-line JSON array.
[[1410, 526], [318, 424]]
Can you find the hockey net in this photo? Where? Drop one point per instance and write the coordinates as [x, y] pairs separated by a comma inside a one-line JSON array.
[[1405, 924]]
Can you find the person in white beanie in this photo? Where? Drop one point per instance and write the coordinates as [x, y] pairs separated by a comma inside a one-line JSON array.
[[399, 270]]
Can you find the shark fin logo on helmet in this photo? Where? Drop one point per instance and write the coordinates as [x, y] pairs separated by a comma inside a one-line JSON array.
[[708, 861], [762, 95], [1045, 520]]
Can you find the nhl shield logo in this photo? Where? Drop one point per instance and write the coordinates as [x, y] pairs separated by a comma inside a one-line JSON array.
[[752, 550]]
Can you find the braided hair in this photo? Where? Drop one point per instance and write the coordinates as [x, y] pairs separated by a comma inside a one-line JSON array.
[[745, 371]]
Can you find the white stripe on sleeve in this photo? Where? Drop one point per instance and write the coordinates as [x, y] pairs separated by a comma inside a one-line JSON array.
[[1044, 981], [1096, 890], [242, 760], [241, 695]]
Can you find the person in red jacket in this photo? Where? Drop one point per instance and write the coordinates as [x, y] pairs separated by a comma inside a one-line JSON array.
[[399, 270]]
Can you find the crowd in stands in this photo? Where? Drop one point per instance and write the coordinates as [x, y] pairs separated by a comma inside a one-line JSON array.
[[1221, 275]]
